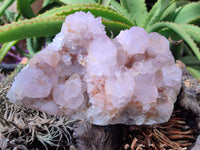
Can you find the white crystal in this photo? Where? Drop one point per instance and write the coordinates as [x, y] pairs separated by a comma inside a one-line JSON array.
[[134, 41], [102, 59], [83, 74], [47, 56], [69, 95], [82, 28], [119, 88], [157, 45], [50, 107], [35, 84], [171, 75], [145, 90]]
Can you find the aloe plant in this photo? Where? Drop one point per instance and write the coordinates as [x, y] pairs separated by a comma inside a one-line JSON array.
[[178, 20]]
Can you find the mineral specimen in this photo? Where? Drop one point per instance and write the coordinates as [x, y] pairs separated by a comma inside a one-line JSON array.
[[83, 74]]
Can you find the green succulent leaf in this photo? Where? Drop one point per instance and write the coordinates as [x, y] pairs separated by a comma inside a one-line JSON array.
[[168, 33], [77, 1], [177, 49], [137, 8], [113, 28], [196, 67], [5, 5], [195, 21], [180, 31], [46, 26], [188, 13], [117, 7], [190, 60], [105, 2], [192, 30], [156, 13], [187, 50], [36, 27], [68, 8], [30, 46], [5, 48], [9, 16], [24, 7], [95, 9], [194, 72], [49, 6], [46, 2], [170, 13]]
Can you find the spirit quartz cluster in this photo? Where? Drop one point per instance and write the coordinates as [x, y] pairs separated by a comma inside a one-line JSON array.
[[83, 74]]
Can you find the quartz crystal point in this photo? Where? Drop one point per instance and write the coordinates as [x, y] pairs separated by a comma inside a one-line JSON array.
[[83, 74]]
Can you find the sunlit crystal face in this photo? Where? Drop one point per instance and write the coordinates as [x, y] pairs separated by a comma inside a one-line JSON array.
[[83, 74]]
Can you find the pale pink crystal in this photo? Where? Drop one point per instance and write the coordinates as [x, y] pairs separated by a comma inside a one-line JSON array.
[[157, 45], [134, 41], [118, 89], [83, 74], [97, 63], [37, 85], [146, 89], [48, 56], [71, 91]]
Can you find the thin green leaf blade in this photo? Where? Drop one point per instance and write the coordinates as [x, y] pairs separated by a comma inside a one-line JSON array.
[[24, 7], [96, 9], [46, 26], [117, 7], [106, 2], [113, 28], [77, 1], [188, 13], [5, 48], [156, 13], [30, 46], [180, 31], [192, 30], [38, 27], [68, 8], [48, 7], [194, 72], [137, 8], [177, 49], [5, 5], [46, 2], [190, 60], [171, 12], [187, 50], [195, 21], [9, 16]]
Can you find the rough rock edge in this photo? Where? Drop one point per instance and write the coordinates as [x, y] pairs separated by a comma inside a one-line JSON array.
[[189, 98]]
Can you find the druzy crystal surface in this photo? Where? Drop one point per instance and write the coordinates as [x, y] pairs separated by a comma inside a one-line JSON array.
[[83, 74]]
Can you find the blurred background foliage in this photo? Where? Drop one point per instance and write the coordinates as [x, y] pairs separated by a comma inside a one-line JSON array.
[[28, 25]]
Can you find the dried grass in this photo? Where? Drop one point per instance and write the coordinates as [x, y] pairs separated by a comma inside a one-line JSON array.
[[23, 128]]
